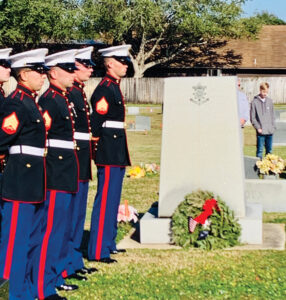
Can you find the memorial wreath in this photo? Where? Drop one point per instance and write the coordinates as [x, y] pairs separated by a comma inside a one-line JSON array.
[[201, 221]]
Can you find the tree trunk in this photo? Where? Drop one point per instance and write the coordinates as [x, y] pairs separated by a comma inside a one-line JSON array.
[[138, 69]]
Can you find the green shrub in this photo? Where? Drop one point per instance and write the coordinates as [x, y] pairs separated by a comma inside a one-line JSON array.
[[224, 230]]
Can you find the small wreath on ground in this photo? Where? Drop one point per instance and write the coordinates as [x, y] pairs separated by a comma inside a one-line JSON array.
[[201, 221]]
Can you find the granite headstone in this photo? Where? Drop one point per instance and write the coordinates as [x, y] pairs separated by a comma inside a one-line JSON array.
[[133, 110]]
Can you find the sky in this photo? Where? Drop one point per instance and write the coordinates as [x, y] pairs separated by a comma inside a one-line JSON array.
[[276, 7]]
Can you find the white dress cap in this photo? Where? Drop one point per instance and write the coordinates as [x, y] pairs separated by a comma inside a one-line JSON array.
[[28, 58], [84, 53], [4, 53], [63, 57], [117, 51]]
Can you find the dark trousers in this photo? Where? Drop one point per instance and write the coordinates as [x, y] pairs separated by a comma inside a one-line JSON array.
[[51, 265], [20, 236], [76, 228], [261, 141], [103, 229]]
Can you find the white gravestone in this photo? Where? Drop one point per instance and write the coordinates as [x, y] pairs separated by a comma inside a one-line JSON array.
[[133, 110], [201, 149], [142, 123]]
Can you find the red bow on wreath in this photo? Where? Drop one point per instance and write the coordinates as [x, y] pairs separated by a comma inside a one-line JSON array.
[[208, 207]]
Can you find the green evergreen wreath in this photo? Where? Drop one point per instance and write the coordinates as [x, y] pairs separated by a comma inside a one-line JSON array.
[[223, 231]]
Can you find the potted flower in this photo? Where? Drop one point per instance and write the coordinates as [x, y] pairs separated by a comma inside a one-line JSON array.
[[271, 166]]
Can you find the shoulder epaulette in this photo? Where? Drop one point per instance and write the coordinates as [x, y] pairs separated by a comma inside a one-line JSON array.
[[106, 82]]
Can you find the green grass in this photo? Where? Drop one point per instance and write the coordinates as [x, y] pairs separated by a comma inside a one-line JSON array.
[[180, 274]]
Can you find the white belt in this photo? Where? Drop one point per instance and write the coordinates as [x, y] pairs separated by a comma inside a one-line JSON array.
[[60, 144], [27, 150], [113, 124], [81, 136]]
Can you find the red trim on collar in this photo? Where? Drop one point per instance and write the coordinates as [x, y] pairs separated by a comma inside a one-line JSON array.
[[23, 89], [114, 80], [59, 92]]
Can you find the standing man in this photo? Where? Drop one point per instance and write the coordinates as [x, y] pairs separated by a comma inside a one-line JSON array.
[[5, 70], [111, 153], [23, 136], [263, 120], [82, 135], [62, 172], [243, 106], [243, 109]]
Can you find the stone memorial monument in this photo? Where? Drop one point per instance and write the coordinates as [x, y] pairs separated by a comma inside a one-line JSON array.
[[201, 149]]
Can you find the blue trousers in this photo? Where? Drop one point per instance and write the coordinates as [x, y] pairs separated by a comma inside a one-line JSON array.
[[103, 228], [261, 141], [76, 228], [21, 233], [54, 228]]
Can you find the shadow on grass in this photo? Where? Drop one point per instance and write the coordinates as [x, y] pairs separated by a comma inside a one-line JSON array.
[[123, 230], [84, 243]]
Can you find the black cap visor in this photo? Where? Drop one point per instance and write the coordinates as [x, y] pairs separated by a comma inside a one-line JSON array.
[[125, 60], [39, 67], [6, 63], [86, 62], [68, 67]]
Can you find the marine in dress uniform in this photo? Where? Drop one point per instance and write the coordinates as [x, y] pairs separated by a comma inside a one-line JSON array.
[[23, 136], [62, 173], [80, 107], [5, 70], [111, 153]]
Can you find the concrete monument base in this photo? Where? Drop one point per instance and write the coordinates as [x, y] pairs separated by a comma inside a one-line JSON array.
[[269, 193], [251, 224], [154, 230]]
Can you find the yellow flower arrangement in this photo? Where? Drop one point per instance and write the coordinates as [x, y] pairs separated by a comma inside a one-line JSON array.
[[271, 164], [143, 170], [136, 172]]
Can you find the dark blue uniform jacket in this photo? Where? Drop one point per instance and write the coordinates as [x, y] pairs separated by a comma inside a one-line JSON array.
[[22, 124], [2, 95], [62, 164], [108, 105], [80, 109], [2, 98]]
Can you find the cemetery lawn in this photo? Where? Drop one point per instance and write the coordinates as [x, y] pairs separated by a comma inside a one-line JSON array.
[[180, 274]]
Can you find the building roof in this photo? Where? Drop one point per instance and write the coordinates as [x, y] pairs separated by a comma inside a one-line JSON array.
[[268, 51]]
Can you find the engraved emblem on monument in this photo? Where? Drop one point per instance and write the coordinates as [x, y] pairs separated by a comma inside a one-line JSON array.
[[199, 94]]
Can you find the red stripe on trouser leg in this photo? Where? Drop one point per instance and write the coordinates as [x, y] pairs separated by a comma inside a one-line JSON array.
[[102, 212], [45, 244], [10, 247]]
